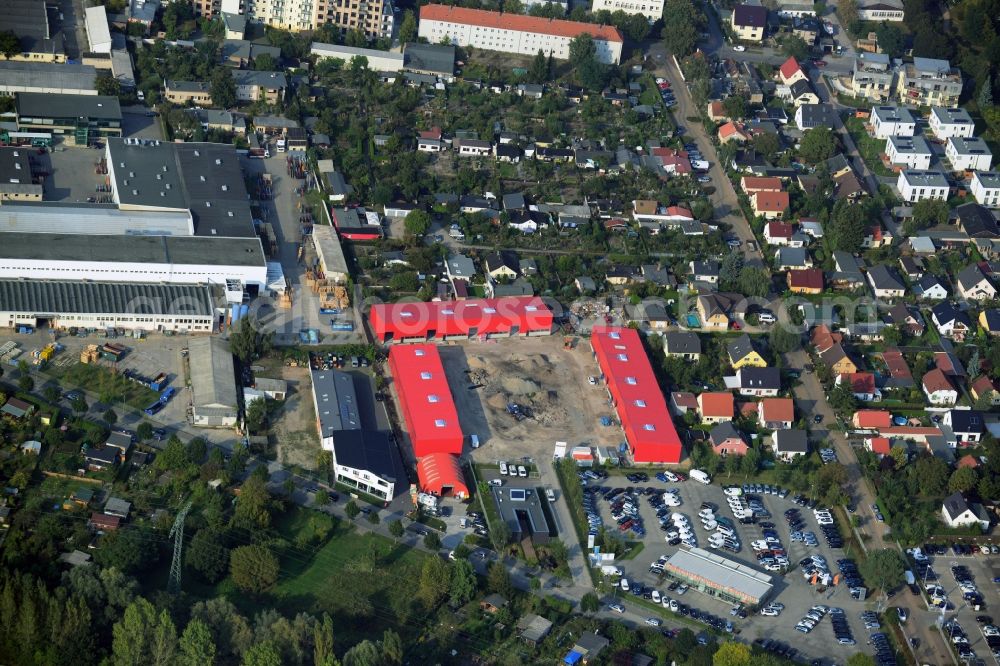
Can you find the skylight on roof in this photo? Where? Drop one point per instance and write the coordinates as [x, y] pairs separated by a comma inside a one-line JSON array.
[[447, 311], [530, 308], [649, 426], [432, 398], [440, 423], [490, 310], [615, 335], [418, 352], [640, 403], [631, 380], [425, 375], [623, 357]]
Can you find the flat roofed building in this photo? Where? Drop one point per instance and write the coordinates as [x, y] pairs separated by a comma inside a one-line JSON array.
[[379, 61], [98, 32], [101, 305], [636, 395], [912, 152], [37, 217], [214, 403], [472, 318], [425, 399], [521, 509], [947, 122], [929, 82], [330, 253], [46, 78], [986, 188], [16, 182], [33, 23], [719, 576], [651, 9], [433, 59], [336, 404], [873, 77], [968, 154], [203, 178], [83, 117], [915, 185], [120, 258], [515, 33], [889, 121]]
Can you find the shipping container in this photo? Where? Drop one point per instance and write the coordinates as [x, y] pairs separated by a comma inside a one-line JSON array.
[[342, 325]]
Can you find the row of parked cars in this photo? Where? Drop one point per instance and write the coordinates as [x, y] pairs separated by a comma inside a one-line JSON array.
[[884, 654]]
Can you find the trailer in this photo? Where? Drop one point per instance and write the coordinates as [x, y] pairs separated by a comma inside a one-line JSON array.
[[342, 325]]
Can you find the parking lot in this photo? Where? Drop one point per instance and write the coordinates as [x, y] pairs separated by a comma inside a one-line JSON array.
[[965, 580], [792, 589]]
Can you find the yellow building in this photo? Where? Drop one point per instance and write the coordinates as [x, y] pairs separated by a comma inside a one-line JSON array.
[[742, 354], [187, 92]]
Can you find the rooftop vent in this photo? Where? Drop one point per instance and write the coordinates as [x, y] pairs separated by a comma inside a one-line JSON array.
[[218, 162], [197, 154], [225, 188], [135, 193], [202, 178]]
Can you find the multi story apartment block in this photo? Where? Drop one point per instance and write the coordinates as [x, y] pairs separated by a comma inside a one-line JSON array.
[[915, 185], [968, 154], [986, 188], [873, 76], [951, 122], [515, 33], [375, 18], [929, 82], [651, 9]]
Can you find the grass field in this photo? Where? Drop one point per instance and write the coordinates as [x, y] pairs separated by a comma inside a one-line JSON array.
[[110, 387]]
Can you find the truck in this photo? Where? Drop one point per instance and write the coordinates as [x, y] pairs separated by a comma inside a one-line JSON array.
[[609, 570], [700, 476], [699, 165]]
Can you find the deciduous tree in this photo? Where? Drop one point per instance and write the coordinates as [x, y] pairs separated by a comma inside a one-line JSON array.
[[207, 555], [963, 480], [463, 582], [253, 568], [817, 144], [435, 579], [197, 647]]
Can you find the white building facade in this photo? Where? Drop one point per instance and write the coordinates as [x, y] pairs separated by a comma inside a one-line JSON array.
[[968, 154], [651, 9], [948, 122], [986, 188], [911, 152], [514, 33], [887, 121], [915, 185]]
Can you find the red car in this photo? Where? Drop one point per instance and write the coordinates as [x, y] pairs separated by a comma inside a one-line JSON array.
[[819, 63], [736, 326], [665, 85]]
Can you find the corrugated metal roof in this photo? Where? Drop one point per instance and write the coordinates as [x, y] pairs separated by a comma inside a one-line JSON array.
[[54, 218], [213, 381], [721, 572], [36, 296]]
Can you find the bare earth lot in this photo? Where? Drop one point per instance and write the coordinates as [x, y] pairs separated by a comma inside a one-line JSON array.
[[294, 423], [536, 373]]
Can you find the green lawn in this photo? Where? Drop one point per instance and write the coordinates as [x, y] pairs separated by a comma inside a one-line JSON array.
[[109, 386], [870, 148]]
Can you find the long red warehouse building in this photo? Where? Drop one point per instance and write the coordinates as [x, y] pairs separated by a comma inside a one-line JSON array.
[[649, 430], [478, 317], [426, 400]]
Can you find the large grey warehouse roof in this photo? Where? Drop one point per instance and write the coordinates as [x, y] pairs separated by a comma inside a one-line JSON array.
[[138, 249], [41, 296], [51, 76], [436, 58], [42, 105], [69, 218], [204, 178], [29, 20], [213, 379], [722, 572], [336, 402]]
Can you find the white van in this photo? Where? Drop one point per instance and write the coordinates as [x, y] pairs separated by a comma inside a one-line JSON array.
[[624, 584], [474, 441], [700, 476], [503, 468]]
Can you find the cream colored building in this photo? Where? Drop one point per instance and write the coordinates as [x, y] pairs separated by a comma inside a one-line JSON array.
[[187, 92], [373, 17], [651, 9]]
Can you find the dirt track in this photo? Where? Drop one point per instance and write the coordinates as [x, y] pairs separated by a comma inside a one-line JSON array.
[[543, 379]]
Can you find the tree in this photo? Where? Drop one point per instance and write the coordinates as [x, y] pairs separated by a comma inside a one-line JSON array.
[[109, 416], [590, 72], [817, 144], [754, 281], [730, 270], [163, 642], [432, 541], [499, 535], [254, 568], [131, 635], [842, 399], [392, 648], [590, 603], [253, 509], [783, 339], [463, 582], [321, 497], [408, 28], [899, 456], [197, 647], [933, 474], [396, 528], [144, 431], [352, 509], [129, 551], [926, 213], [732, 654], [417, 222], [207, 555], [963, 480], [10, 44], [51, 393], [883, 568], [106, 84], [847, 12], [435, 580], [247, 343], [257, 415], [735, 107], [539, 70], [680, 35], [79, 404], [498, 580], [222, 87], [25, 382], [196, 450], [767, 144], [265, 63], [364, 653], [848, 225], [890, 39], [373, 517], [323, 653], [892, 336], [794, 46], [265, 653]]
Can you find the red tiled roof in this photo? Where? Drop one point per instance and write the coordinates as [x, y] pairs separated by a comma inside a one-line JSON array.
[[760, 183], [789, 67], [771, 201], [806, 278], [679, 211], [880, 445], [521, 22], [911, 431], [777, 409], [983, 385], [896, 364], [730, 129], [779, 230], [823, 338], [860, 382], [716, 404], [935, 380], [872, 418]]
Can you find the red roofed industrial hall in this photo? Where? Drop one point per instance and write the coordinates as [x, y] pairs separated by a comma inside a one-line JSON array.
[[474, 318], [441, 474], [425, 398], [649, 430]]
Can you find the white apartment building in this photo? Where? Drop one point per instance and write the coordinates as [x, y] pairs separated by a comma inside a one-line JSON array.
[[947, 122], [873, 77], [912, 152], [651, 9], [880, 10], [887, 121], [968, 154], [986, 188], [375, 18], [915, 185], [515, 33]]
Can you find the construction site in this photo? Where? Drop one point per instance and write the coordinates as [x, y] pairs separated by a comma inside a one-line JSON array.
[[521, 395]]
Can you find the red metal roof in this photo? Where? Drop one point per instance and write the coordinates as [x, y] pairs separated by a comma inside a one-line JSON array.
[[774, 202], [476, 316], [426, 400], [441, 474], [805, 278], [872, 418], [648, 427], [789, 67], [880, 445], [520, 22]]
